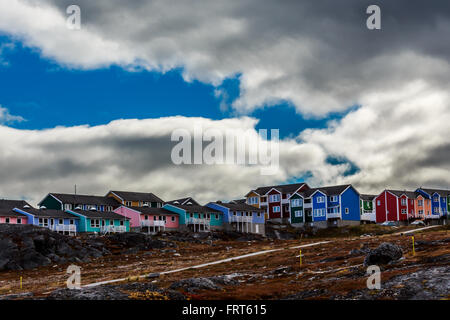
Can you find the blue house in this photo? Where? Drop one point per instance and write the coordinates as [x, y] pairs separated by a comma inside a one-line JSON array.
[[439, 202], [55, 220], [195, 217], [241, 217], [326, 206]]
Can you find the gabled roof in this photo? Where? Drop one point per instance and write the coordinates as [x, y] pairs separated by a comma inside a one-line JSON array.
[[368, 197], [239, 201], [150, 210], [328, 191], [47, 213], [183, 201], [399, 193], [441, 192], [84, 199], [99, 214], [137, 196], [7, 206], [284, 188], [195, 208], [238, 206]]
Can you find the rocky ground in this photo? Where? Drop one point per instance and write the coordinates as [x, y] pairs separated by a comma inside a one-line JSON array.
[[333, 270]]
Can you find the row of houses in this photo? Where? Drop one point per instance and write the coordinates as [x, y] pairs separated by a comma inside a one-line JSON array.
[[295, 204], [298, 204]]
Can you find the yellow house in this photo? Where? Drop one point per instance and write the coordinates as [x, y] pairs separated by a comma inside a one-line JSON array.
[[136, 199]]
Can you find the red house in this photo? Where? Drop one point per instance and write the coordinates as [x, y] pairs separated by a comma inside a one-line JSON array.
[[275, 199], [394, 205]]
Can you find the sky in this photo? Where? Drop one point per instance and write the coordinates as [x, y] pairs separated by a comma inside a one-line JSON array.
[[96, 107]]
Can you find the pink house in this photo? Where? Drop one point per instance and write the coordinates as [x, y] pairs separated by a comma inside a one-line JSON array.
[[151, 219], [9, 216]]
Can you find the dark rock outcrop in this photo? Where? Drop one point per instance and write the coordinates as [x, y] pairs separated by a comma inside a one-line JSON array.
[[384, 254]]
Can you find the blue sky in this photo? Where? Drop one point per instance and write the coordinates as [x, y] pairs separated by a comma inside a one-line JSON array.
[[47, 94]]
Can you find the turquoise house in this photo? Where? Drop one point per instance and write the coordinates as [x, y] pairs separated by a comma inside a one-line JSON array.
[[196, 217], [100, 222]]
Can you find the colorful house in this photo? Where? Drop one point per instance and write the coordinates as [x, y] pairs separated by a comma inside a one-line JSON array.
[[62, 201], [275, 199], [151, 219], [241, 217], [100, 222], [196, 217], [55, 220], [395, 206], [325, 206], [136, 199], [367, 208], [9, 216], [437, 205]]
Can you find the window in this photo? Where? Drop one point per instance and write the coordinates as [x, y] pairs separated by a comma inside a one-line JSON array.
[[334, 198], [309, 213], [234, 213], [320, 199], [19, 221], [68, 206], [403, 211], [347, 211], [109, 208], [276, 209], [6, 220], [436, 199], [45, 222], [95, 223], [258, 214], [298, 213], [420, 211], [420, 203], [60, 221], [403, 202], [121, 222], [164, 218], [378, 203], [172, 219], [217, 217], [41, 222], [208, 216], [274, 198], [155, 218], [145, 203], [71, 222], [146, 217], [296, 202], [128, 203], [160, 218], [253, 200], [436, 210]]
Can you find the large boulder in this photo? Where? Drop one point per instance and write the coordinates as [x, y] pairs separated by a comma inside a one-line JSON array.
[[384, 254]]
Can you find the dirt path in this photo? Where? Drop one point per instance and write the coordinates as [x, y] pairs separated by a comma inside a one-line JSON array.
[[210, 263]]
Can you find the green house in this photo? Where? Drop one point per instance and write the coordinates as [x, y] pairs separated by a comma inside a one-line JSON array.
[[101, 222], [297, 212]]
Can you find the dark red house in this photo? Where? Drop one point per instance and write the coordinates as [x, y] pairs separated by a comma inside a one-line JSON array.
[[394, 205]]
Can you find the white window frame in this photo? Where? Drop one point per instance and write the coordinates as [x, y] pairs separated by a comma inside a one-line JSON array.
[[19, 220], [276, 209], [347, 210], [298, 213]]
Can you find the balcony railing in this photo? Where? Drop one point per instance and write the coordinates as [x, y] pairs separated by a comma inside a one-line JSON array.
[[153, 223], [113, 229], [333, 215], [198, 221], [71, 228], [240, 219]]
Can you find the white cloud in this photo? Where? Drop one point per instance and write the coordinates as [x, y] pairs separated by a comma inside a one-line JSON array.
[[7, 118], [320, 57]]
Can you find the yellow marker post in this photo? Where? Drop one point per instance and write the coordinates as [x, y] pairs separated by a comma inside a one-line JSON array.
[[300, 258], [414, 250]]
